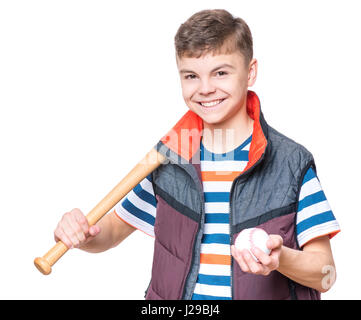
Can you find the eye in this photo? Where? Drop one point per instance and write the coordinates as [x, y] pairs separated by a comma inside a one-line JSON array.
[[221, 73], [190, 76]]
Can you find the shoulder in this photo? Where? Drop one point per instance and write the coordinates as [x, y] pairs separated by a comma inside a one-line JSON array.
[[283, 148]]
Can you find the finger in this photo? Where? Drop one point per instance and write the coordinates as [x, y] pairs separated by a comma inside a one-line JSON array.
[[274, 241], [254, 266], [275, 259], [73, 230], [61, 235], [263, 258], [238, 256], [77, 227], [81, 219], [94, 230]]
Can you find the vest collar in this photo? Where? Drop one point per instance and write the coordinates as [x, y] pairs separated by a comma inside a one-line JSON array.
[[260, 130]]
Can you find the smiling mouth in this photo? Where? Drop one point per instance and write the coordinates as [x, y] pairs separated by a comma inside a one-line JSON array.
[[211, 104]]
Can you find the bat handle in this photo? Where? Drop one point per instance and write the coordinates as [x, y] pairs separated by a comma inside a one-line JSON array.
[[45, 263]]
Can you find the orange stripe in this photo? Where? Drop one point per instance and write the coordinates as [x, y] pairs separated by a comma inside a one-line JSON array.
[[219, 175], [215, 259]]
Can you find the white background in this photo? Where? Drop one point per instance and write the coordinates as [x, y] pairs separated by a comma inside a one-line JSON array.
[[88, 87]]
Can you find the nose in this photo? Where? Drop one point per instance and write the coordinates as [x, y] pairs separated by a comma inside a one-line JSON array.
[[206, 87]]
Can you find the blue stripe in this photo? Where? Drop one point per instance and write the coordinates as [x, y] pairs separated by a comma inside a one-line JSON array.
[[217, 218], [235, 155], [222, 238], [241, 155], [310, 174], [249, 139], [206, 297], [311, 199], [140, 214], [216, 196], [315, 220], [145, 195], [214, 280]]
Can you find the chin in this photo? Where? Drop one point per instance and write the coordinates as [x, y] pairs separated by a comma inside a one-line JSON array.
[[212, 119]]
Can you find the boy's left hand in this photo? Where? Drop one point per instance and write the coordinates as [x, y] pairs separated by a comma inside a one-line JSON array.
[[266, 264]]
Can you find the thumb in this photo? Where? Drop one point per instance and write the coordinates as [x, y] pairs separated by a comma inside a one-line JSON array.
[[274, 241], [94, 230]]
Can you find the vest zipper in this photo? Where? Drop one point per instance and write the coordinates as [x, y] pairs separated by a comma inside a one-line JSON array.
[[200, 222], [193, 253], [230, 215], [230, 232]]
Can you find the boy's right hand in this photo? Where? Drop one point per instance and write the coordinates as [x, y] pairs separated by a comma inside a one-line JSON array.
[[73, 229]]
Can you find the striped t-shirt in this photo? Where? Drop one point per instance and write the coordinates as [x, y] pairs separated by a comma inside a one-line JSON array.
[[314, 216]]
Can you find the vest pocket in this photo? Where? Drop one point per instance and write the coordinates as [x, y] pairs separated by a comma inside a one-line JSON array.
[[275, 286], [168, 274], [258, 287]]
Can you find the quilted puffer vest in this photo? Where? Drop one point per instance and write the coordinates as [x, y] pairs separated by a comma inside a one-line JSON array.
[[264, 195]]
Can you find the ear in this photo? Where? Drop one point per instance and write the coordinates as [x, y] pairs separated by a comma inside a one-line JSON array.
[[252, 72]]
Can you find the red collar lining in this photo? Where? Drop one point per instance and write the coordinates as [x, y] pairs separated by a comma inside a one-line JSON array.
[[184, 138]]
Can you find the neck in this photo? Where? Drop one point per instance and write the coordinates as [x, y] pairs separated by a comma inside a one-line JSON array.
[[229, 134]]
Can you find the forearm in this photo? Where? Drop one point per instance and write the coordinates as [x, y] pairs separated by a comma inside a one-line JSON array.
[[96, 245], [113, 231], [309, 268]]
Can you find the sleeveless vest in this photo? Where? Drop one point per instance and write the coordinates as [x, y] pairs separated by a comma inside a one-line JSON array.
[[264, 195]]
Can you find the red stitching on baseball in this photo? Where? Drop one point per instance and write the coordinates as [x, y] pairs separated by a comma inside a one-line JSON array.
[[251, 236]]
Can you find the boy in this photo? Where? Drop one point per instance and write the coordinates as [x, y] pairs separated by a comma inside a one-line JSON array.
[[242, 173]]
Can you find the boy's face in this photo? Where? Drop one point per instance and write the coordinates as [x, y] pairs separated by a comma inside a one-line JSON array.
[[215, 86]]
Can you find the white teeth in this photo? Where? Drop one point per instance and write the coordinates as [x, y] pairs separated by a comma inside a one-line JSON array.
[[210, 104]]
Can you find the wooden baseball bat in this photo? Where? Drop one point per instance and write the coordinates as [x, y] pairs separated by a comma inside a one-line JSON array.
[[149, 163]]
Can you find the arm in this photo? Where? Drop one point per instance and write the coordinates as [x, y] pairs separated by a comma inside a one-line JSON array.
[[74, 231], [311, 266], [308, 267], [108, 232]]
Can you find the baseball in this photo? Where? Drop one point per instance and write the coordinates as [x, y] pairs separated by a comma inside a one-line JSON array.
[[252, 237]]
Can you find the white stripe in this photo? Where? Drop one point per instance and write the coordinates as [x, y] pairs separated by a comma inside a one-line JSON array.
[[217, 186], [223, 165], [317, 231], [310, 187], [313, 210], [217, 207], [216, 228], [219, 291], [141, 204], [215, 269], [134, 221], [215, 248], [247, 147], [147, 186]]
